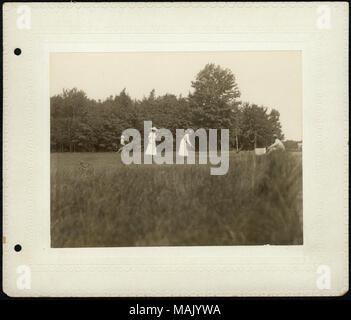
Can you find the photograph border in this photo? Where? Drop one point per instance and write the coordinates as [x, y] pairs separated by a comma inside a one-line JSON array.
[[172, 271]]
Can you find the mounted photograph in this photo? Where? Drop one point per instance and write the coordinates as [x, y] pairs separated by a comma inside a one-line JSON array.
[[176, 148]]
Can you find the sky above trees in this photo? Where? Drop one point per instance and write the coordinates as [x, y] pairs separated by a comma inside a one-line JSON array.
[[269, 78]]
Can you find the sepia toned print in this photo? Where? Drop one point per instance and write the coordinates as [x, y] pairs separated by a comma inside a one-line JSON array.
[[175, 150], [136, 139]]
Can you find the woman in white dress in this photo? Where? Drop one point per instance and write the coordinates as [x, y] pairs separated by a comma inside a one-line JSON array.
[[184, 143], [122, 143], [151, 147]]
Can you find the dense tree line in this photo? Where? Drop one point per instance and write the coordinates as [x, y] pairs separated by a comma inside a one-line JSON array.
[[81, 124]]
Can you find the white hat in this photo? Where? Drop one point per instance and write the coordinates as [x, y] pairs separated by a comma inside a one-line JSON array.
[[154, 129]]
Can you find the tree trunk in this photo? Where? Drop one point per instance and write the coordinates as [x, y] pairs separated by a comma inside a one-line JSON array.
[[255, 141]]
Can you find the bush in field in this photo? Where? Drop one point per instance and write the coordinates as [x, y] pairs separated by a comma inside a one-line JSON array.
[[259, 201]]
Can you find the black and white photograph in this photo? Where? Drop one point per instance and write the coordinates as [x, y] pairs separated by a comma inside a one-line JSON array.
[[100, 200], [174, 150]]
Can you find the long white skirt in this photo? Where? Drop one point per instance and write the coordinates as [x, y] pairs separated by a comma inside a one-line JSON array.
[[151, 148], [183, 150]]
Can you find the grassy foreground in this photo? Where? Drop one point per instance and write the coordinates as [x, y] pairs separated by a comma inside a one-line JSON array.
[[102, 202]]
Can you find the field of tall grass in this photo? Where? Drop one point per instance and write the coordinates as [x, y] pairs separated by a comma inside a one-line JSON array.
[[96, 201]]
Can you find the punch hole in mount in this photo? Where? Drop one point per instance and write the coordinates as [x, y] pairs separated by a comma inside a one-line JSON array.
[[17, 51], [18, 247]]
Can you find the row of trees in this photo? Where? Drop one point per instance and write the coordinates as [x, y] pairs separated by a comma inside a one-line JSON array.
[[82, 124]]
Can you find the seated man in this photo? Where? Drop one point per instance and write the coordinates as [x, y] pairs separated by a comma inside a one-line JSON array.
[[276, 146]]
